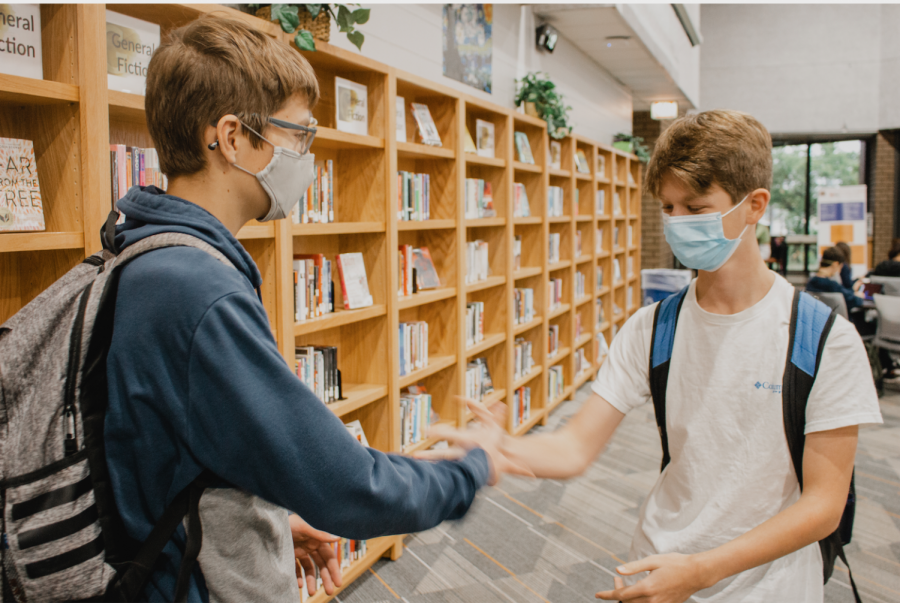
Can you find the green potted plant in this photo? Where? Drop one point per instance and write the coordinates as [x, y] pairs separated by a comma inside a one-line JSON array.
[[632, 144], [541, 99], [313, 21]]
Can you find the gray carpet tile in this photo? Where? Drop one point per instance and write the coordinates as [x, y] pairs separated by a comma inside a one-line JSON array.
[[550, 541]]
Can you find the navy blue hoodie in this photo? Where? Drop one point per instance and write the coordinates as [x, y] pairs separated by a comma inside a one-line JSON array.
[[196, 381]]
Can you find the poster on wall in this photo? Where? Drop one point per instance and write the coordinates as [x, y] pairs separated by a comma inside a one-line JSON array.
[[842, 217], [467, 44]]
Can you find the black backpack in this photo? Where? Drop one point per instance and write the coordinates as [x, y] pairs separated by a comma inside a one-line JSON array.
[[811, 321], [62, 536]]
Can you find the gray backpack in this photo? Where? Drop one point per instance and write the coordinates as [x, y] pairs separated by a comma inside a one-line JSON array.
[[62, 537]]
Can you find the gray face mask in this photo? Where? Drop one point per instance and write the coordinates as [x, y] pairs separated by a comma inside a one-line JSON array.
[[285, 178]]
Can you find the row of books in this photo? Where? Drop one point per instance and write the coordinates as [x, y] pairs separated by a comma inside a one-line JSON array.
[[346, 552], [317, 368], [598, 306], [317, 202], [600, 203], [521, 406], [523, 305], [598, 241], [474, 323], [477, 266], [578, 240], [556, 382], [133, 166], [581, 362], [415, 416], [479, 199], [599, 277], [554, 201], [555, 292], [579, 284], [523, 361], [579, 328], [478, 379], [313, 287], [413, 346], [553, 242], [552, 341], [416, 270], [521, 207], [617, 271], [413, 196]]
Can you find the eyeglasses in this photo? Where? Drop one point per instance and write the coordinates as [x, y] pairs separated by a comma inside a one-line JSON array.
[[304, 135]]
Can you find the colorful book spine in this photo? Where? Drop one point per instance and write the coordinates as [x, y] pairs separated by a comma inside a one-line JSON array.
[[413, 196], [316, 205], [413, 346]]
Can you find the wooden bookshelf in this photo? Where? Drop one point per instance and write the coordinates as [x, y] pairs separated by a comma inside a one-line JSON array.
[[72, 118]]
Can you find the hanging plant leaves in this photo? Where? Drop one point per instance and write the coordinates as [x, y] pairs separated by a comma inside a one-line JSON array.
[[361, 16], [314, 9], [538, 89], [356, 38], [344, 19], [286, 15], [304, 41]]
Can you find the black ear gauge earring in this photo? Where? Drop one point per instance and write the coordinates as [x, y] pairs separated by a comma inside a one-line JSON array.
[[212, 146]]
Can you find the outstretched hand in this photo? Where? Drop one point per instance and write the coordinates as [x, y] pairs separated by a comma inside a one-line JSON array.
[[673, 579], [490, 436], [312, 546]]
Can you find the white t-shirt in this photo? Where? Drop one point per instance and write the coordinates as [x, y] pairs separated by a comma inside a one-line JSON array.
[[731, 469]]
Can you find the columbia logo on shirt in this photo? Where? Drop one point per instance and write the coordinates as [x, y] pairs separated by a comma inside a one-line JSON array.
[[773, 387]]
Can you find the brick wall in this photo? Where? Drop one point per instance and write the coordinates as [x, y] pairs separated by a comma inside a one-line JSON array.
[[883, 196], [655, 252]]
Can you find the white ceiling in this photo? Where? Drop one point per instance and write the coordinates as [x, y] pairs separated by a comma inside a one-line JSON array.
[[588, 26]]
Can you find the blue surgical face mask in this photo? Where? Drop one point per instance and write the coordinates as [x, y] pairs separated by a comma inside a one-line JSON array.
[[699, 241]]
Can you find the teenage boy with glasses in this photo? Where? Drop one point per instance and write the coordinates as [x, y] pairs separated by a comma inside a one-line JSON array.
[[196, 381]]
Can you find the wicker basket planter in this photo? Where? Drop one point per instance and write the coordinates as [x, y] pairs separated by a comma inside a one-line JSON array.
[[320, 27]]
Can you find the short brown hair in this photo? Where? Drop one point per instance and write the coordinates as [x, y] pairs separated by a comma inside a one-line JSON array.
[[212, 67], [728, 148], [830, 256], [844, 248]]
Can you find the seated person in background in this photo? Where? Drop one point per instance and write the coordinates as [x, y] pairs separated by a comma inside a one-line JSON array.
[[821, 282], [846, 274], [890, 266]]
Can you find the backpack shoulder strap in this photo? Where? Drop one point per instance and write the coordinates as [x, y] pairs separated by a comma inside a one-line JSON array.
[[665, 319], [169, 239], [811, 321]]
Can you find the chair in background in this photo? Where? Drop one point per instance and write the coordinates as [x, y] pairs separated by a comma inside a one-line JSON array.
[[890, 285], [832, 300], [888, 334]]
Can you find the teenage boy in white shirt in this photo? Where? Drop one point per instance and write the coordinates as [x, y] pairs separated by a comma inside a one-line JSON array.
[[726, 520]]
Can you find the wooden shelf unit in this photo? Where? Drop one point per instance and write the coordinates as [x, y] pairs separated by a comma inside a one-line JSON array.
[[72, 118]]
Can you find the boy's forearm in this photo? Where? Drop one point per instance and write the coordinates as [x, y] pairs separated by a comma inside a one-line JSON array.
[[547, 455], [827, 469], [568, 451], [807, 521]]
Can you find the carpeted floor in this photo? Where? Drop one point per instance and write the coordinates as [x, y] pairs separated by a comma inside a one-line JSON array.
[[533, 541]]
